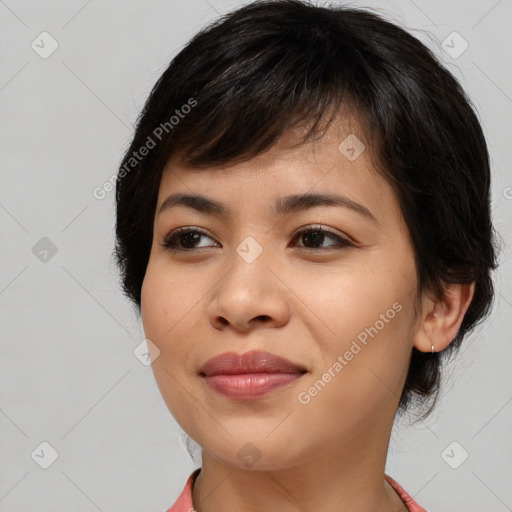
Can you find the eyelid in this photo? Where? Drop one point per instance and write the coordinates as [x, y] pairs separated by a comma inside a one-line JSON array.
[[328, 231], [343, 239], [184, 229]]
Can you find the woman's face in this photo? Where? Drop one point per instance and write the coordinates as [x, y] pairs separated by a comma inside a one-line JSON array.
[[344, 313]]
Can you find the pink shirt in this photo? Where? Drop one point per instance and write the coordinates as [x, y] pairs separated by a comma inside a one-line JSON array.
[[184, 501]]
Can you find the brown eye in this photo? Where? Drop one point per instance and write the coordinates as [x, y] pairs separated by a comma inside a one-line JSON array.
[[183, 239], [313, 237], [186, 239]]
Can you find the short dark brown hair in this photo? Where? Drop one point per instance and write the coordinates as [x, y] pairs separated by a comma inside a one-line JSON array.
[[250, 76]]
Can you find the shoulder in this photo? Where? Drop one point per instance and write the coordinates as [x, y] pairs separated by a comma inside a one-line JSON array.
[[184, 501], [412, 506]]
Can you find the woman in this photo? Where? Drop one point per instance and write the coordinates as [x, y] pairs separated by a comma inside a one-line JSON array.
[[303, 223]]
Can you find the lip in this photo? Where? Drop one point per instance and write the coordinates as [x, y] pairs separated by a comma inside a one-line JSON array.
[[249, 375], [254, 361]]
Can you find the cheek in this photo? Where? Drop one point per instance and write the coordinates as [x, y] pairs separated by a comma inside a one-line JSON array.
[[354, 298], [167, 298], [369, 313], [362, 372], [164, 309], [153, 309], [160, 315], [172, 306]]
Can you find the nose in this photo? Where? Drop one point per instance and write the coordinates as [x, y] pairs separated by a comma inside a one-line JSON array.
[[250, 295]]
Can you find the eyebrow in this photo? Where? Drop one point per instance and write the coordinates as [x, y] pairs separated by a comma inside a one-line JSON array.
[[282, 205]]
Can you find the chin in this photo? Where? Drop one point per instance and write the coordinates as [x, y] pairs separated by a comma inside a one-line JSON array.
[[257, 455]]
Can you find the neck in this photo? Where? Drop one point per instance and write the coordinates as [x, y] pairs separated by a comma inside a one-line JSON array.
[[348, 476]]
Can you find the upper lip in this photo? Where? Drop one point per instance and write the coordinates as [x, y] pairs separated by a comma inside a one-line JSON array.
[[249, 362]]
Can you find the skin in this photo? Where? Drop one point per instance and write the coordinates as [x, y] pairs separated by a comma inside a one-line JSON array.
[[300, 302]]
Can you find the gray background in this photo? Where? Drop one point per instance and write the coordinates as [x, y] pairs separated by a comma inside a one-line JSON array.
[[68, 375]]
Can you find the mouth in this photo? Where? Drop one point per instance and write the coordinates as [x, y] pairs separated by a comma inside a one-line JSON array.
[[250, 375]]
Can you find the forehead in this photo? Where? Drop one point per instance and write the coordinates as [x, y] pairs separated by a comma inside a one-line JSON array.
[[344, 142], [340, 161]]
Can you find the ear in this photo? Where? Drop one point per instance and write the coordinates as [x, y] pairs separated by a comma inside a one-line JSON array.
[[441, 319]]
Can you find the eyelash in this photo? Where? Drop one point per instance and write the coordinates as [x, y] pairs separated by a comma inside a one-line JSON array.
[[169, 241]]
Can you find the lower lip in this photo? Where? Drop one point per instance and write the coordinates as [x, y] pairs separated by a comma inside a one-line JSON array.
[[248, 386]]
